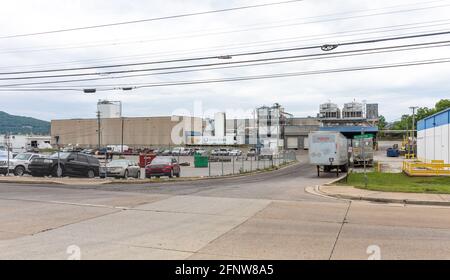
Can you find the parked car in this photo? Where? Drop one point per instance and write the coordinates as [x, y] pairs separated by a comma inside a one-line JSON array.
[[166, 152], [266, 153], [235, 152], [88, 151], [251, 152], [4, 161], [201, 151], [187, 152], [220, 152], [224, 152], [72, 164], [101, 151], [177, 151], [19, 164], [120, 168], [163, 166]]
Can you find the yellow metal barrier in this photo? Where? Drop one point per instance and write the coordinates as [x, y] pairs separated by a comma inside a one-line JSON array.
[[435, 168]]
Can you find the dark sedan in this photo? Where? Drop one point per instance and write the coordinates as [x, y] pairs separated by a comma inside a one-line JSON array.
[[163, 166], [72, 164]]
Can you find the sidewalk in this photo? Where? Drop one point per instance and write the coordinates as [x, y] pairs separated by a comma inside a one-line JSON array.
[[352, 193]]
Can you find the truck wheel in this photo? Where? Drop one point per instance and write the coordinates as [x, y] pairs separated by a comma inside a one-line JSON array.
[[19, 171]]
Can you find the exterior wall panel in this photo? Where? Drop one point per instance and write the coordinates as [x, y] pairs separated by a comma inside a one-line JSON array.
[[421, 145], [137, 132], [433, 137], [446, 143]]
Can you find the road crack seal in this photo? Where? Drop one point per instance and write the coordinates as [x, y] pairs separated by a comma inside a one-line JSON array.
[[344, 221]]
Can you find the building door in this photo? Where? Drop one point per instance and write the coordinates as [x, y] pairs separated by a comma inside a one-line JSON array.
[[292, 142]]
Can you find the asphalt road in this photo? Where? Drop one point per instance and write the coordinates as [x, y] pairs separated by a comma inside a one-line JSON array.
[[265, 216]]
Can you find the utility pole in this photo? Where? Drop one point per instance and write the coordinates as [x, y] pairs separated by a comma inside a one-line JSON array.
[[7, 137], [121, 148], [58, 170], [98, 130], [121, 117], [413, 108], [364, 156]]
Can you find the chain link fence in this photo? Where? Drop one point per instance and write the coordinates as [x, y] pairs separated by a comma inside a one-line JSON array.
[[231, 165]]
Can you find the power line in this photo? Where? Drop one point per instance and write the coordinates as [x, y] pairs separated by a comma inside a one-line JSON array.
[[259, 62], [231, 31], [262, 43], [149, 19], [201, 58], [259, 77], [259, 43]]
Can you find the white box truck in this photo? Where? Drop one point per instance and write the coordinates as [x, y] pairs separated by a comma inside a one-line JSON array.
[[328, 150]]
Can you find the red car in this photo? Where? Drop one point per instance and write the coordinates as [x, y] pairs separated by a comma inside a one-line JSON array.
[[163, 166]]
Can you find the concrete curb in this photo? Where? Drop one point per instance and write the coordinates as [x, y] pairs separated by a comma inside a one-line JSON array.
[[139, 182], [24, 182], [381, 200]]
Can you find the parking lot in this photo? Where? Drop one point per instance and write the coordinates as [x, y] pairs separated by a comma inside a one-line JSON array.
[[217, 166]]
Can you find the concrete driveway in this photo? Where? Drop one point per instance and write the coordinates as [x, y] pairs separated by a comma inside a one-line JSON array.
[[265, 216]]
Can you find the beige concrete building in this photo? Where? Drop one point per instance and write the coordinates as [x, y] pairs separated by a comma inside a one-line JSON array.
[[133, 132], [296, 132]]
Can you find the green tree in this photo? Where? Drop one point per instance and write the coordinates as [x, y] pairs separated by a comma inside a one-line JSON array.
[[382, 122], [406, 121], [442, 105]]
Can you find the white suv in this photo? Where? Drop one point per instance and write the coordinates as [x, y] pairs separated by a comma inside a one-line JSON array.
[[19, 164]]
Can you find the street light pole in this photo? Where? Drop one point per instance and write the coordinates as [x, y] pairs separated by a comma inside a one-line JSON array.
[[363, 156], [7, 137], [98, 130], [58, 170]]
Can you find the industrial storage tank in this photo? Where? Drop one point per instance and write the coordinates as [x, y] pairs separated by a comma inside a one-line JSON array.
[[372, 111], [109, 109], [353, 110], [329, 111]]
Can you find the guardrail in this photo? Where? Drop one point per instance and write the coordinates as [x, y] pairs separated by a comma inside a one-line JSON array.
[[435, 168]]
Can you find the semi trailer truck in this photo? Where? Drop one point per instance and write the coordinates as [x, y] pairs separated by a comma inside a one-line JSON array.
[[328, 150]]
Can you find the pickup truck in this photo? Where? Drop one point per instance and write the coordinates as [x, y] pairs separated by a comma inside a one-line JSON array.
[[19, 164]]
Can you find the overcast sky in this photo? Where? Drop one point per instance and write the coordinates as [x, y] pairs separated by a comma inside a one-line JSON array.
[[310, 22]]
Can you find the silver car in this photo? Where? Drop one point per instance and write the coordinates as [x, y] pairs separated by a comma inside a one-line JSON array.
[[121, 168]]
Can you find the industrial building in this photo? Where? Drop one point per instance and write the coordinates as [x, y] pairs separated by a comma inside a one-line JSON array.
[[433, 137], [297, 130], [270, 122], [22, 143], [271, 127], [133, 132], [243, 130], [354, 118]]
